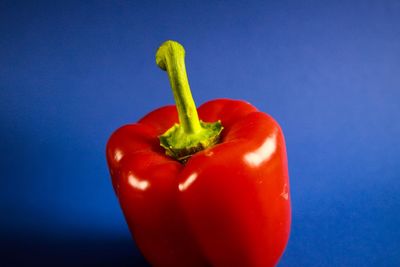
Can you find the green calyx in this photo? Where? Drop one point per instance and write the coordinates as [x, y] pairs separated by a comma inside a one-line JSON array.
[[181, 145], [191, 134]]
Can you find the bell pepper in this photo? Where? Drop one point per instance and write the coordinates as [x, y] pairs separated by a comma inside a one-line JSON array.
[[206, 186]]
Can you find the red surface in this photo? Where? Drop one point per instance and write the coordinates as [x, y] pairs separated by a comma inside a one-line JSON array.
[[227, 206]]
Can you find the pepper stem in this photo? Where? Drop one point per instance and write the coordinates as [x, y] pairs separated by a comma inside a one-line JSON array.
[[171, 58], [191, 135]]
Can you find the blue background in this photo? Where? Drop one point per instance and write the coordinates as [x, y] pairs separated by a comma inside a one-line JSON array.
[[71, 73]]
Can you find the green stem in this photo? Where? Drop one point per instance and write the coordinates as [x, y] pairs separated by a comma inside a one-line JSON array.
[[191, 135], [171, 58]]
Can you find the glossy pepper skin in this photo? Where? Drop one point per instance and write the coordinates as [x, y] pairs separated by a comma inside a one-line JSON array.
[[228, 205], [206, 186]]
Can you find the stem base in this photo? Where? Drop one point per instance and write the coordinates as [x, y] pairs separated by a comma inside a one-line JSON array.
[[181, 145]]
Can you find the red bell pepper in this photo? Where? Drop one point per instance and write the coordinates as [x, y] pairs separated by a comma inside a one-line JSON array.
[[212, 194]]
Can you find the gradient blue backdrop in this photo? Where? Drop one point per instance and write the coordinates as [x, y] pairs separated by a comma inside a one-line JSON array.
[[71, 73]]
